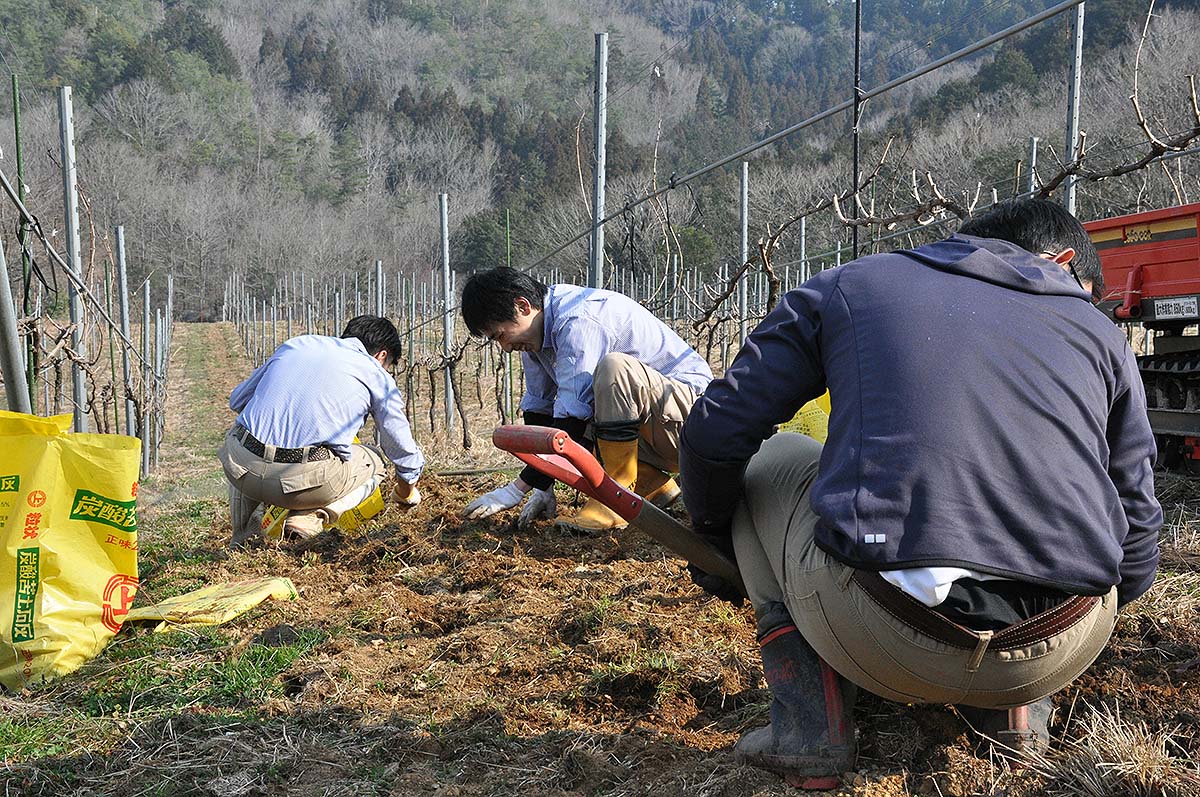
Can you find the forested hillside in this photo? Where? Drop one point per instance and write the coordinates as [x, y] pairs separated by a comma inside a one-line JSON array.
[[263, 137]]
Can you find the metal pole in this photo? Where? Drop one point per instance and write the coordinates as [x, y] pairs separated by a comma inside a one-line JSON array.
[[1076, 86], [508, 387], [71, 220], [156, 423], [447, 316], [379, 288], [596, 267], [147, 380], [15, 387], [31, 360], [168, 318], [857, 113], [410, 338], [743, 287], [804, 273], [123, 293], [1031, 182], [674, 287], [112, 358]]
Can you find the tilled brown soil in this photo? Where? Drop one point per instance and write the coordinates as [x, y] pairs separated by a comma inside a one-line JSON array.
[[471, 658]]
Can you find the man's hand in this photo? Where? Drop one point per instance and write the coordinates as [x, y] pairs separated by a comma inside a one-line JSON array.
[[716, 586], [542, 504], [501, 498], [405, 494]]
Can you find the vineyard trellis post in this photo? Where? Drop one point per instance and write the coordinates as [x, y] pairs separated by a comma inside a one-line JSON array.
[[23, 232], [743, 250], [805, 271], [123, 297], [15, 387], [71, 222], [1031, 178], [144, 421], [447, 303], [169, 329], [156, 426], [379, 296], [596, 261], [1071, 150]]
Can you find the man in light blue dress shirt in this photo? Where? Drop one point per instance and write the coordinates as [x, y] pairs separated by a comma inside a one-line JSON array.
[[293, 443], [595, 360]]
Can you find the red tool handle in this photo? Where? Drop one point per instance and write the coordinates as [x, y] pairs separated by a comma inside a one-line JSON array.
[[554, 453], [519, 439]]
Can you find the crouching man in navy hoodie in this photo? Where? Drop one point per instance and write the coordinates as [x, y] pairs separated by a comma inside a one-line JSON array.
[[984, 503]]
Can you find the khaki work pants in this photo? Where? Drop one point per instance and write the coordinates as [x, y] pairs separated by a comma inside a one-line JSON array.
[[299, 486], [773, 535], [628, 390]]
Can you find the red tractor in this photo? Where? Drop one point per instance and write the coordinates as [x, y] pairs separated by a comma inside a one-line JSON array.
[[1151, 265]]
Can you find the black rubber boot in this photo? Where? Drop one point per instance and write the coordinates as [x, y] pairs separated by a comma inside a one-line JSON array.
[[810, 740], [1026, 728]]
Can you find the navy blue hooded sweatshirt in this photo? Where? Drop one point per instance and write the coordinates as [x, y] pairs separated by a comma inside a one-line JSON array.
[[985, 415]]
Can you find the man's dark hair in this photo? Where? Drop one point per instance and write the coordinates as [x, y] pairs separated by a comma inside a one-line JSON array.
[[376, 334], [1039, 225], [489, 297]]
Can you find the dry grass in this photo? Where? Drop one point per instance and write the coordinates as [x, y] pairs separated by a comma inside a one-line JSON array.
[[1106, 755]]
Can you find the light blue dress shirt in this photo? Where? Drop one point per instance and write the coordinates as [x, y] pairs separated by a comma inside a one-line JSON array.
[[318, 390], [582, 325]]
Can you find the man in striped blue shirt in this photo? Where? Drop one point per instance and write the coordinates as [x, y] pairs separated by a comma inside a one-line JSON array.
[[592, 358], [293, 443]]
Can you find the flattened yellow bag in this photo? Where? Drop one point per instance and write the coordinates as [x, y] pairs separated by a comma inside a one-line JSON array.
[[812, 419], [68, 522]]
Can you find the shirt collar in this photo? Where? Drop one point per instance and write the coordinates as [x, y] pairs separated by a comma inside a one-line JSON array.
[[549, 305]]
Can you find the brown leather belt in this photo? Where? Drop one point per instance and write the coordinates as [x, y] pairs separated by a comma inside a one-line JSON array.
[[288, 456], [917, 615]]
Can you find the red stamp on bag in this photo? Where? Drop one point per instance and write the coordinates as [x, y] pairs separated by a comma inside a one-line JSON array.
[[36, 498], [118, 597]]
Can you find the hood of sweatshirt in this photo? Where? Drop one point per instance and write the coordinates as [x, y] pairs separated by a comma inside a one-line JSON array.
[[999, 262]]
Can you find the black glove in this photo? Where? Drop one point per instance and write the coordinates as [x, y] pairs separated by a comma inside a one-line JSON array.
[[715, 585]]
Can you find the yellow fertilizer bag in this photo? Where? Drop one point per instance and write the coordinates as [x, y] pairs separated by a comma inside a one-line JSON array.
[[365, 503], [812, 419], [68, 520], [372, 505], [214, 604]]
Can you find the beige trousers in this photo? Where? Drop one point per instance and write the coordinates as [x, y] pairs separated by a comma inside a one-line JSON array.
[[773, 535], [629, 391], [299, 486]]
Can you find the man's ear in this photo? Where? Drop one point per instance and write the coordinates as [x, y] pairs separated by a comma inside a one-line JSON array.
[[522, 306], [1064, 257], [381, 357]]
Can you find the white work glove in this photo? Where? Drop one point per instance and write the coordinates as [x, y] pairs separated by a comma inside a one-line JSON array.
[[541, 504], [405, 494], [501, 498]]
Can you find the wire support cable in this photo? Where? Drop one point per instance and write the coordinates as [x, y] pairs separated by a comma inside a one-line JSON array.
[[675, 182], [36, 227]]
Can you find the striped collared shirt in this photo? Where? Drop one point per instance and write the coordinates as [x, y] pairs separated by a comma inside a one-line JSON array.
[[318, 390], [582, 325]]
